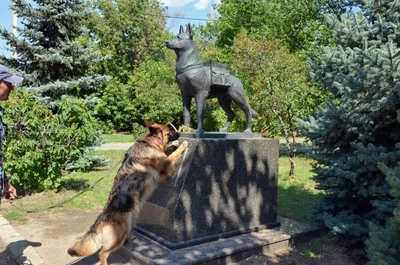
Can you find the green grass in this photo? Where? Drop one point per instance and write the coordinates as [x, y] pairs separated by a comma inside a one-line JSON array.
[[118, 138], [308, 144], [94, 198], [294, 195]]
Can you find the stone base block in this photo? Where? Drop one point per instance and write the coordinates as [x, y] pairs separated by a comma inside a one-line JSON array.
[[226, 186], [223, 251]]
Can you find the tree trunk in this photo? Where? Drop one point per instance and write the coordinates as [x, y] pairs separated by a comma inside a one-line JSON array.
[[291, 149]]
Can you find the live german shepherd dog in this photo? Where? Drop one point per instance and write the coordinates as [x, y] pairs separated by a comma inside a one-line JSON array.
[[145, 163]]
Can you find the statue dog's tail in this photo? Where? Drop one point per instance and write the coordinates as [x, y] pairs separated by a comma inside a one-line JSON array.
[[253, 113]]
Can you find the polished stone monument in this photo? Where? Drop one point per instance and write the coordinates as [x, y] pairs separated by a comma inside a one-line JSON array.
[[225, 186]]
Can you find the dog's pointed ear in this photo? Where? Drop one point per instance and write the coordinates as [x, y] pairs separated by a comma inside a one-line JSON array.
[[189, 31], [180, 29], [148, 123], [151, 126]]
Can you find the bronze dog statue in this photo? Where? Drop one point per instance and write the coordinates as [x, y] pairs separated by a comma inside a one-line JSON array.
[[203, 81]]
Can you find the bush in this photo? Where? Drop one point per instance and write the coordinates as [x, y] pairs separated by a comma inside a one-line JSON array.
[[150, 93], [39, 144]]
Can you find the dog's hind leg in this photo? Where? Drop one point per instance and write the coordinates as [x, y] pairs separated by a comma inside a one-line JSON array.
[[225, 103], [114, 236], [236, 92], [130, 238], [103, 256]]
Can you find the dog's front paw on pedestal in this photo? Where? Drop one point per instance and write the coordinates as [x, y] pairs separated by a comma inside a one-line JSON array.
[[185, 144]]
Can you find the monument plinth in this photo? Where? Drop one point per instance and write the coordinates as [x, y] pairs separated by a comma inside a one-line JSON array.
[[226, 186]]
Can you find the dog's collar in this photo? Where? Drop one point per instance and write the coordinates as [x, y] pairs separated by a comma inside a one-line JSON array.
[[190, 67]]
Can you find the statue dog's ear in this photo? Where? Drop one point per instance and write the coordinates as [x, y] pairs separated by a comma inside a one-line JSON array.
[[180, 29], [189, 31]]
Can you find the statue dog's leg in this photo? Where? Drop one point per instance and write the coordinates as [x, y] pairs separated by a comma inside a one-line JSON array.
[[187, 101], [238, 96], [200, 104], [225, 103]]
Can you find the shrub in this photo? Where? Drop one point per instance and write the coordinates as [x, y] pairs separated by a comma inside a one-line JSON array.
[[39, 144]]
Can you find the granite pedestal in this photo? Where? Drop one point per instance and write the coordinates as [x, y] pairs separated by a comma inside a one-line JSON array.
[[226, 186]]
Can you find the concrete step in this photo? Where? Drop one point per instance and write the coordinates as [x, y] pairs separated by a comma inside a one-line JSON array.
[[144, 251]]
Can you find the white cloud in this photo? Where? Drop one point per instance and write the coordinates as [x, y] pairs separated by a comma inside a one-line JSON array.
[[202, 4], [217, 2], [175, 3]]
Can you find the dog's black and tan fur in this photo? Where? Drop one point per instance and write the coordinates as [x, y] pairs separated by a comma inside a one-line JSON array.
[[145, 163]]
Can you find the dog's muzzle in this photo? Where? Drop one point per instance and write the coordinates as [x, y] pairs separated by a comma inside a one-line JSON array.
[[173, 135]]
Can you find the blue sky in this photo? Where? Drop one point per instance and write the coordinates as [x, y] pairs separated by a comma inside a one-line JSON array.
[[188, 8]]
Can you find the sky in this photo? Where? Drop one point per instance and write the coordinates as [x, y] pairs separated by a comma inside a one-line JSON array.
[[187, 8]]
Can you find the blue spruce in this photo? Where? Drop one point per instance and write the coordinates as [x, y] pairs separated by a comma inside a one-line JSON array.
[[357, 129], [49, 53], [383, 244]]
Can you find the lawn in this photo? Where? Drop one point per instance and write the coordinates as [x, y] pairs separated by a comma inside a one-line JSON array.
[[295, 194], [118, 138]]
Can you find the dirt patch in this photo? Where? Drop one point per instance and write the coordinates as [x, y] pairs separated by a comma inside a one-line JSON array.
[[319, 251], [53, 232]]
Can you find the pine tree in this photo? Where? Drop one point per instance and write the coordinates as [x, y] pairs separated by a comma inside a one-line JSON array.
[[52, 60], [383, 245], [357, 129]]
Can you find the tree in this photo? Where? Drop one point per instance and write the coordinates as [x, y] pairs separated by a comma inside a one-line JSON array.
[[129, 32], [383, 244], [150, 93], [299, 24], [357, 128], [132, 35], [54, 63], [277, 86]]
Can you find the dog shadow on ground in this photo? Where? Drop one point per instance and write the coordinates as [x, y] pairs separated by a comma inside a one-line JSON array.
[[18, 248], [94, 259]]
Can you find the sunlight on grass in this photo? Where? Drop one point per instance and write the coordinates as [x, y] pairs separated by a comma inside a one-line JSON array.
[[118, 138], [94, 198], [296, 193], [294, 196]]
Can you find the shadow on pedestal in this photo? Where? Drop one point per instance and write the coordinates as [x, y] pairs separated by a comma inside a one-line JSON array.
[[226, 186]]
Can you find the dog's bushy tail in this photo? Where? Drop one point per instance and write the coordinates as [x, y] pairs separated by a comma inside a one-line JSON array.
[[88, 245]]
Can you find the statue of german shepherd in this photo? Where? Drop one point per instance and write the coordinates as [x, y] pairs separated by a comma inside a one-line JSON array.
[[195, 80], [145, 163]]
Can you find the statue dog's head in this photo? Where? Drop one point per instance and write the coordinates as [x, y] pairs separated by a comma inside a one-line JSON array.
[[182, 40]]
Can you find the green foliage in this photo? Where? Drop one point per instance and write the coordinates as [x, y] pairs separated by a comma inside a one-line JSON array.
[[157, 95], [358, 128], [298, 24], [143, 85], [276, 83], [383, 244], [40, 144], [130, 32], [50, 56], [150, 93], [117, 105]]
